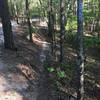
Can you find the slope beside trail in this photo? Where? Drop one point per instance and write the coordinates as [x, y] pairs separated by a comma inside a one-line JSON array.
[[22, 74]]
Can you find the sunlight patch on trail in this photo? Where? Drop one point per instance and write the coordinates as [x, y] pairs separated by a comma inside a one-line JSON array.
[[6, 91], [14, 23], [0, 25], [1, 34], [11, 95], [39, 41]]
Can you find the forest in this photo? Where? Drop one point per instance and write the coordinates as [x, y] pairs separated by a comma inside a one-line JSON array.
[[49, 49]]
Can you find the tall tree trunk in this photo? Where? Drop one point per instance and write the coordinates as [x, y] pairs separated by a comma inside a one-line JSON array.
[[62, 27], [28, 19], [42, 8], [80, 57], [98, 20], [50, 23], [16, 13], [7, 28]]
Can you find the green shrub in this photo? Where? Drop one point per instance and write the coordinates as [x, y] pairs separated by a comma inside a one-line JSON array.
[[70, 37], [90, 42], [61, 74]]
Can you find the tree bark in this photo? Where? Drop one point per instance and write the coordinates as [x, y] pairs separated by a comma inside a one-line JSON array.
[[6, 23], [80, 57], [28, 19], [62, 27], [50, 23]]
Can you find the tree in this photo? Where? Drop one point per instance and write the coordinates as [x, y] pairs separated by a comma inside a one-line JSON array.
[[7, 28], [80, 57], [50, 22], [28, 19], [98, 20], [62, 27]]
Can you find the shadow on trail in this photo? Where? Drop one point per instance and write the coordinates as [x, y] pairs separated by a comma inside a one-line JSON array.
[[22, 74]]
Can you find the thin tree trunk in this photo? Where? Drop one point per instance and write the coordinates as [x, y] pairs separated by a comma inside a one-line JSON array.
[[16, 13], [62, 27], [43, 9], [98, 20], [28, 19], [80, 57], [50, 23]]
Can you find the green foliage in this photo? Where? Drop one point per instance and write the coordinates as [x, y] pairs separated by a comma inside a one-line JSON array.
[[58, 73], [61, 74], [90, 42], [71, 23], [34, 30], [50, 69], [70, 36], [62, 71]]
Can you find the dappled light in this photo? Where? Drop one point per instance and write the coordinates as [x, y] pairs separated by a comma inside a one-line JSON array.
[[18, 78], [38, 40], [90, 60], [27, 71], [11, 95], [9, 87], [49, 49], [1, 36]]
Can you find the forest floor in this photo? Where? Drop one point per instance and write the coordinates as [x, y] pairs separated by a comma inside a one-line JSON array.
[[22, 75], [92, 71], [22, 72]]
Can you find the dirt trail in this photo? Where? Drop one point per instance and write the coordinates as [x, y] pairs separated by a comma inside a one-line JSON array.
[[22, 75], [45, 87]]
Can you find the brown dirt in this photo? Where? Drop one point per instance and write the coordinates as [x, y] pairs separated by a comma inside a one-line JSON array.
[[21, 71]]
